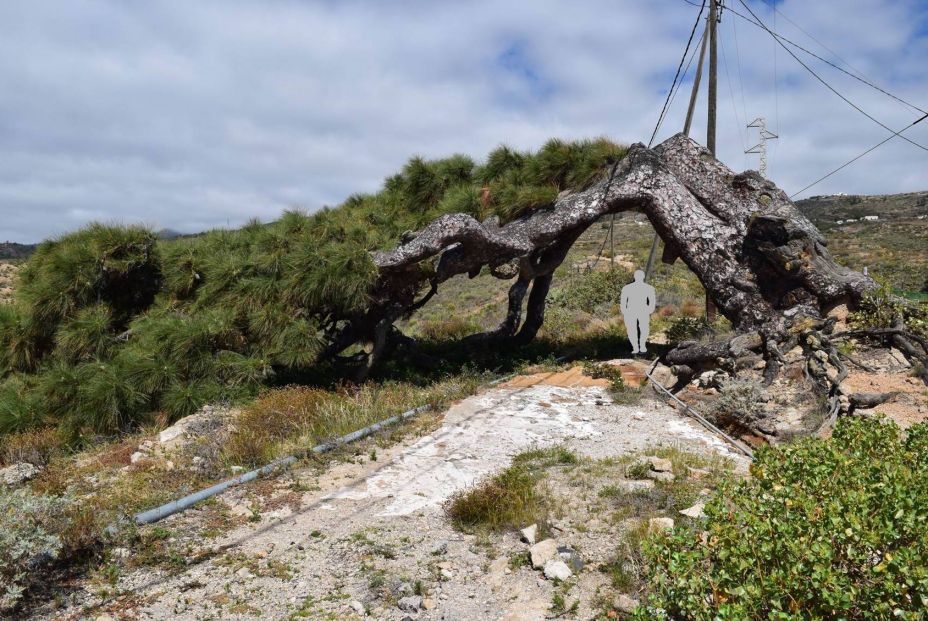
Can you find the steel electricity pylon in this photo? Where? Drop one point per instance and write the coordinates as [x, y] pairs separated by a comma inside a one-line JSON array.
[[761, 147]]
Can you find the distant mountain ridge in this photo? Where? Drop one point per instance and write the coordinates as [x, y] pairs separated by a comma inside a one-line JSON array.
[[837, 209], [12, 250], [824, 211]]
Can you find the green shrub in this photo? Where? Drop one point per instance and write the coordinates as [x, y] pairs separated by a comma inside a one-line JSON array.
[[113, 265], [87, 336], [881, 308], [824, 529], [22, 343], [30, 527], [16, 405], [686, 328], [591, 290], [508, 500]]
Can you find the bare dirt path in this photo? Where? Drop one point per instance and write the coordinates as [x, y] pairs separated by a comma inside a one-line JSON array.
[[355, 539]]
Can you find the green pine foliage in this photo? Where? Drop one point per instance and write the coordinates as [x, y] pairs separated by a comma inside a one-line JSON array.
[[111, 325], [824, 529]]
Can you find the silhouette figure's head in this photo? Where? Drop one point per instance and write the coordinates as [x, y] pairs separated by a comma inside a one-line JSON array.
[[639, 276]]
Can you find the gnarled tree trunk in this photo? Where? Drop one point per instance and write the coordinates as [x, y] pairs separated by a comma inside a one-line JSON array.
[[764, 265]]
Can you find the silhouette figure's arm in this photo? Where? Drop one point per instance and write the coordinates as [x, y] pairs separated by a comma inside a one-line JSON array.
[[624, 300], [652, 299]]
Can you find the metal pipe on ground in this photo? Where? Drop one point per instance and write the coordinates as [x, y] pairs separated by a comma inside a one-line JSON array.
[[741, 446], [159, 513]]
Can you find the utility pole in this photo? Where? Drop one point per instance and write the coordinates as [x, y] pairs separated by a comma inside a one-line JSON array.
[[696, 80], [713, 75], [713, 97], [686, 130], [711, 37]]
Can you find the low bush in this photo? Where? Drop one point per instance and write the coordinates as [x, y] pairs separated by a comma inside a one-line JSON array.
[[450, 329], [881, 308], [591, 290], [686, 327], [738, 400], [34, 446], [621, 392], [824, 529], [286, 420], [294, 412], [508, 500], [513, 498], [30, 538]]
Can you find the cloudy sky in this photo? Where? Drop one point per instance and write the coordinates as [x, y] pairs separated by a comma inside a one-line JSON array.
[[192, 115]]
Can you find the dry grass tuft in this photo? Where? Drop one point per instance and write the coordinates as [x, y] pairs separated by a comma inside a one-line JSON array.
[[35, 446], [512, 499]]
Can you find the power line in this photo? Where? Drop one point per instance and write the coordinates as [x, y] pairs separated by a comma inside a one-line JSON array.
[[851, 161], [808, 34], [776, 90], [610, 231], [744, 106], [860, 77], [731, 92], [660, 119], [862, 80], [826, 84]]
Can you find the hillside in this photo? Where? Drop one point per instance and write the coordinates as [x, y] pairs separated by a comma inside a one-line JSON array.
[[887, 234], [838, 209]]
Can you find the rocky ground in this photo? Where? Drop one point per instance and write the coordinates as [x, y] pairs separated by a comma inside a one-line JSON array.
[[366, 536], [791, 407]]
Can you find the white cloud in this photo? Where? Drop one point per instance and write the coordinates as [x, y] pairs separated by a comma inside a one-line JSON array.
[[195, 115]]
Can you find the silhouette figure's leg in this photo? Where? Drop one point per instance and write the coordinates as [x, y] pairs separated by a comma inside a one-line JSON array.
[[645, 323], [631, 328]]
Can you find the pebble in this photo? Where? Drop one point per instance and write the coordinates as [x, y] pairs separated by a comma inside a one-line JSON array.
[[642, 485], [410, 603], [696, 511], [625, 603], [557, 570], [542, 552], [664, 477], [697, 473], [659, 524], [529, 533]]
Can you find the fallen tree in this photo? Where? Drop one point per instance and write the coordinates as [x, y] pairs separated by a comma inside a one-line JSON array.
[[764, 265]]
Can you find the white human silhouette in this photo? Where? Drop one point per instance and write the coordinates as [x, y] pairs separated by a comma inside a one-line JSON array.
[[638, 302]]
